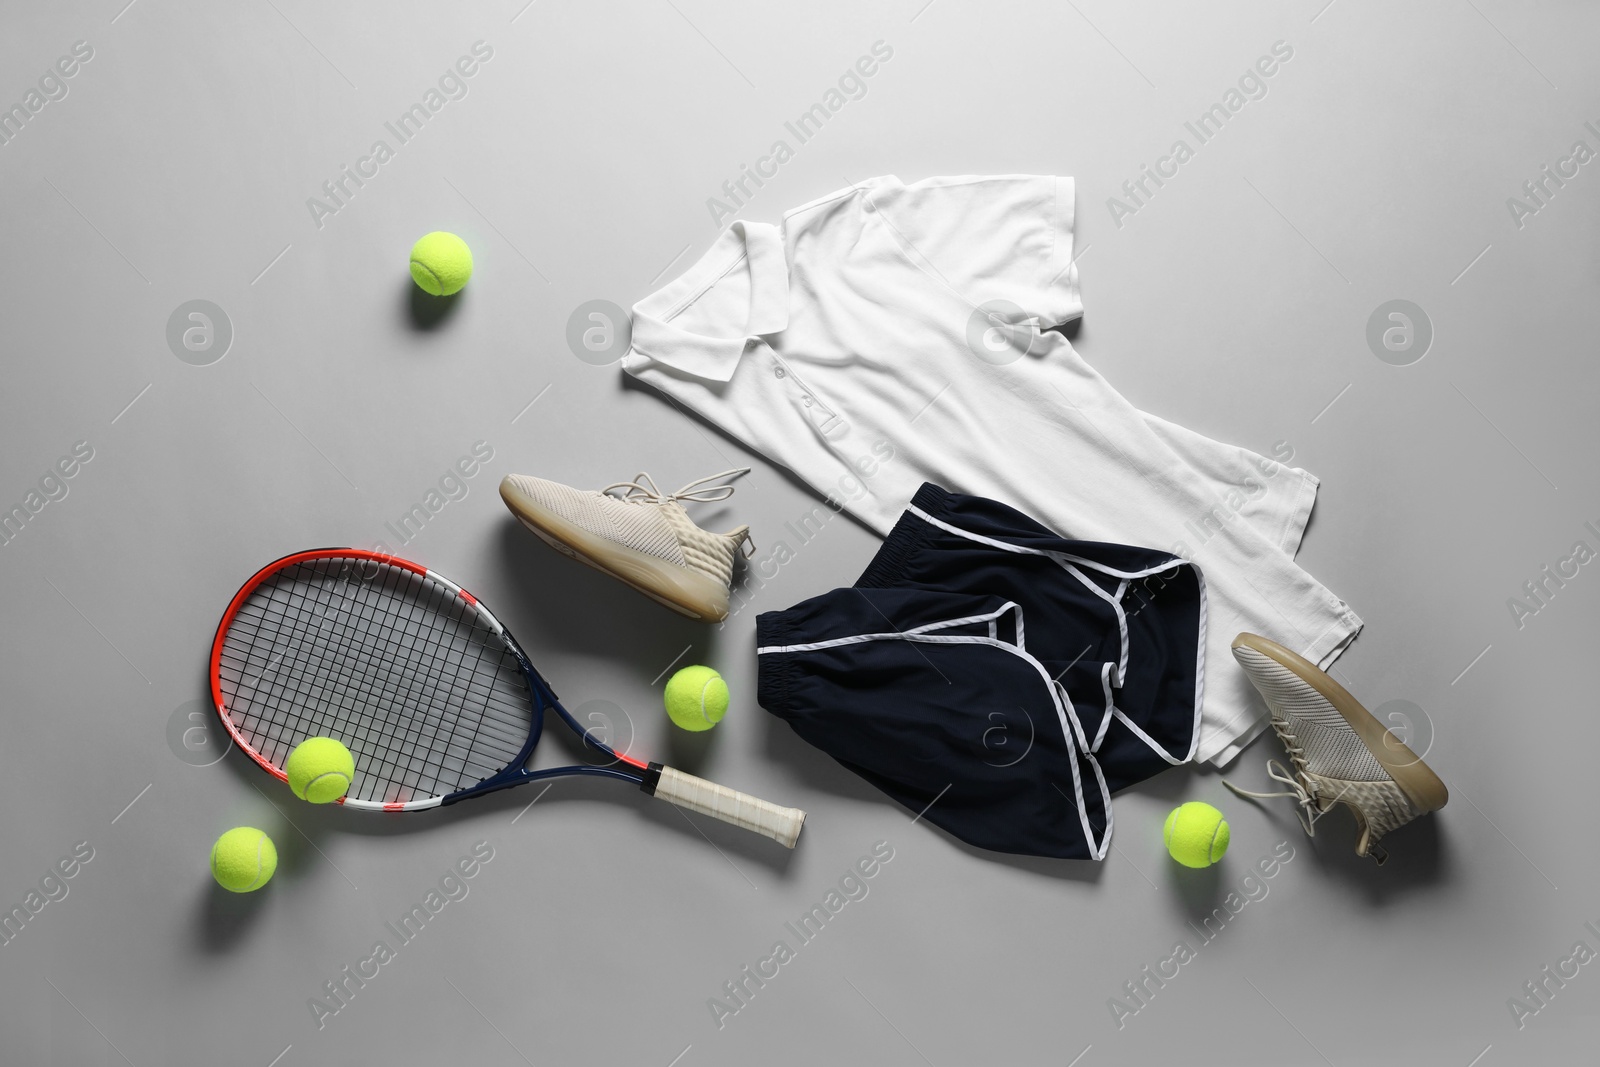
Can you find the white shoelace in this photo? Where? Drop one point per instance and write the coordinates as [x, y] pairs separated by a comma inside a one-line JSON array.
[[1300, 788], [643, 490]]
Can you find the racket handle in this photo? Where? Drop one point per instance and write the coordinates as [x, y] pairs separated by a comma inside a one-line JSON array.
[[731, 806]]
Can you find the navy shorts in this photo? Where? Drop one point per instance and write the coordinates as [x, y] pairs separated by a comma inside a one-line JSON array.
[[994, 677]]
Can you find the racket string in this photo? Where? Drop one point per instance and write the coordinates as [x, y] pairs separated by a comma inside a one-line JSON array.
[[429, 698], [324, 681], [394, 734]]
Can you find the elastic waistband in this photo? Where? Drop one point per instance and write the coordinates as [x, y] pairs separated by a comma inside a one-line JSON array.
[[909, 534], [774, 673]]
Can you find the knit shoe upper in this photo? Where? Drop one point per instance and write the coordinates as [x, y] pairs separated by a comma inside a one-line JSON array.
[[1338, 752], [636, 533]]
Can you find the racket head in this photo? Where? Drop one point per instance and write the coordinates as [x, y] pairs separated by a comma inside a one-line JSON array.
[[431, 694]]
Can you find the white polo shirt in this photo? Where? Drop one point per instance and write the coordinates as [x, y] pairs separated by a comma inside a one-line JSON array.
[[891, 334]]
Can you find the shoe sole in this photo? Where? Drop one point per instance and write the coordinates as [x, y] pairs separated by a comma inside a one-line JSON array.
[[1415, 778], [679, 588]]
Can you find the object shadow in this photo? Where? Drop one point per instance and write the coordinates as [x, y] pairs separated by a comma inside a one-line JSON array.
[[1069, 330], [223, 919], [1419, 856], [1419, 853], [613, 616], [1200, 892], [426, 313], [1086, 871], [688, 750], [817, 770]]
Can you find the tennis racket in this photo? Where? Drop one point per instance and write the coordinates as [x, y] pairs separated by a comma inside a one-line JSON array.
[[431, 694]]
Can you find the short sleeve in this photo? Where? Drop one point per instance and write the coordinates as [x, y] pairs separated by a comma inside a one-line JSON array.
[[1003, 237]]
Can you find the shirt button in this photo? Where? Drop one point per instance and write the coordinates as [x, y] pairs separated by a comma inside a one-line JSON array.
[[806, 401], [778, 373]]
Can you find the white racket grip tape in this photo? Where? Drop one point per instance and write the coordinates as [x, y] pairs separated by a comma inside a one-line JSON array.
[[731, 806]]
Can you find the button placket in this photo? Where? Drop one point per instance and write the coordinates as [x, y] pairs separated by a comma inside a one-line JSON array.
[[827, 421]]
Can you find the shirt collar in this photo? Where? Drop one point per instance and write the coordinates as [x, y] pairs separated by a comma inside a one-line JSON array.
[[757, 244]]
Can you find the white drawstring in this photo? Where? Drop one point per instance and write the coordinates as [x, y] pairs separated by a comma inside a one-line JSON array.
[[643, 488]]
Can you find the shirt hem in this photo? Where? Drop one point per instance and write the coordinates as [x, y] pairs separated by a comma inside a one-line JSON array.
[[1294, 529], [1223, 747]]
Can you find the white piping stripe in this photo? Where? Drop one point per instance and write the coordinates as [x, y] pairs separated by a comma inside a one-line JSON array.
[[1115, 573], [1122, 629], [1024, 551], [1065, 712], [1147, 739], [1064, 558], [1199, 664], [1105, 842], [916, 632], [964, 621], [1066, 561], [1105, 719], [1077, 725], [1114, 601]]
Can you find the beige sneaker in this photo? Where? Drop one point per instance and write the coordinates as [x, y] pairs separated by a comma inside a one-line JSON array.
[[634, 532], [1338, 751]]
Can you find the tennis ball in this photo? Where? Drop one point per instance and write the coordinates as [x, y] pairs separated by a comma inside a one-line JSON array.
[[1197, 834], [697, 698], [320, 770], [243, 859], [441, 263]]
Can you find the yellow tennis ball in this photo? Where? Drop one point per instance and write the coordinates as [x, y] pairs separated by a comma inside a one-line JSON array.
[[697, 698], [441, 263], [243, 860], [320, 770], [1197, 834]]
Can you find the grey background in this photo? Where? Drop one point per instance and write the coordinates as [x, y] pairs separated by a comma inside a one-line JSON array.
[[177, 168]]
